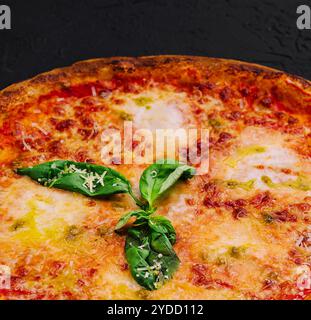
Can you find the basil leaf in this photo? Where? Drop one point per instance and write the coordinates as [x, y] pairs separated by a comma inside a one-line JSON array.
[[88, 179], [151, 257], [137, 250], [163, 225], [125, 218], [159, 177], [149, 251], [159, 242]]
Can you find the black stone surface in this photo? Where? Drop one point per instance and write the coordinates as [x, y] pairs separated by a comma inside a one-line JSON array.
[[47, 34]]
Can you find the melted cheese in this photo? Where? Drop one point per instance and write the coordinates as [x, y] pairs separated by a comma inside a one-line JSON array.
[[252, 161], [150, 111]]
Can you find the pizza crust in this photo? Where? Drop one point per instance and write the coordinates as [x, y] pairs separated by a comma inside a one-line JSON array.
[[222, 71]]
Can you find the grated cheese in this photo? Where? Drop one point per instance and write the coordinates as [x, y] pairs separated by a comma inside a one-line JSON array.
[[94, 93], [25, 144], [35, 125]]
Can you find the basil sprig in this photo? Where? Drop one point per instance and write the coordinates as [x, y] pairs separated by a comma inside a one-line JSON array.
[[149, 243]]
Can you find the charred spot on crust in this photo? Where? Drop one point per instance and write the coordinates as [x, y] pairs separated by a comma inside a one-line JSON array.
[[148, 62], [49, 77]]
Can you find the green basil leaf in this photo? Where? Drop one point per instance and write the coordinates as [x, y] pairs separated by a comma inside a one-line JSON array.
[[137, 250], [159, 242], [160, 176], [163, 225], [150, 256], [88, 179], [125, 218]]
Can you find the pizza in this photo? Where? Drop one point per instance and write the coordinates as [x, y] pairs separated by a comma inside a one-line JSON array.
[[242, 229]]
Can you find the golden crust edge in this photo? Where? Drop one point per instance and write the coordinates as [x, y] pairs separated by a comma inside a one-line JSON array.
[[75, 73]]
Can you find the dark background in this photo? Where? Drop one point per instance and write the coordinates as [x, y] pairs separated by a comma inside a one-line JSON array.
[[47, 34]]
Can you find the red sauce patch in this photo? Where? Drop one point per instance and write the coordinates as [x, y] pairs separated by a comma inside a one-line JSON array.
[[239, 213], [77, 91], [262, 200], [201, 277], [283, 216], [64, 125]]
